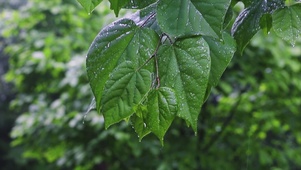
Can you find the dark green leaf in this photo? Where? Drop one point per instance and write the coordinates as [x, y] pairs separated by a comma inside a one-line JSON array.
[[248, 22], [287, 23], [123, 91], [214, 12], [266, 23], [116, 5], [116, 43], [228, 17], [185, 67], [181, 18], [221, 54], [89, 5], [146, 17]]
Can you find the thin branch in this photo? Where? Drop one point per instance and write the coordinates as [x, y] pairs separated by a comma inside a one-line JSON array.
[[155, 53]]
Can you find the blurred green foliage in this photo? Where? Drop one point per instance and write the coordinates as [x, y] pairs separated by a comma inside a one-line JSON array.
[[250, 121]]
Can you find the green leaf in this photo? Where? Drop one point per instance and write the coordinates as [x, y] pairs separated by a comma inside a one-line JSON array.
[[228, 17], [287, 22], [207, 94], [138, 122], [161, 110], [89, 5], [139, 4], [266, 23], [247, 23], [221, 54], [120, 41], [116, 5], [123, 91], [181, 18], [214, 12], [185, 67], [146, 17]]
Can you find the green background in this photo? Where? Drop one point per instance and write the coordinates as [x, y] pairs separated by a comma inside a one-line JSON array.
[[250, 121]]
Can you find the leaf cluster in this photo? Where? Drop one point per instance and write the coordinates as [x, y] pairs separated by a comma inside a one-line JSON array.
[[162, 61]]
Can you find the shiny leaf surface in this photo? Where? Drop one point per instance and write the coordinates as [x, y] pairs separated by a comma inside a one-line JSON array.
[[287, 22], [185, 67]]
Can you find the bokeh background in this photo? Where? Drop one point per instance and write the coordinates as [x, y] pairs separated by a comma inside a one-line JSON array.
[[252, 119]]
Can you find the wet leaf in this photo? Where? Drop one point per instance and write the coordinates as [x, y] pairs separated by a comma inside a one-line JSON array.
[[266, 23], [221, 54], [287, 23], [181, 18], [146, 17], [247, 24], [161, 110], [89, 5], [123, 91], [121, 41], [214, 12], [138, 122], [228, 17], [185, 67], [116, 5]]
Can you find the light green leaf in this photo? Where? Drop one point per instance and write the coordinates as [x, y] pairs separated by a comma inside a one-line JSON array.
[[138, 122], [89, 5], [287, 23], [161, 110], [181, 18], [116, 5], [185, 67], [123, 91], [221, 54], [247, 24], [123, 40]]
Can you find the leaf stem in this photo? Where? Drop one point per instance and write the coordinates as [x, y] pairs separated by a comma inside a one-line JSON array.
[[156, 59], [155, 53]]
